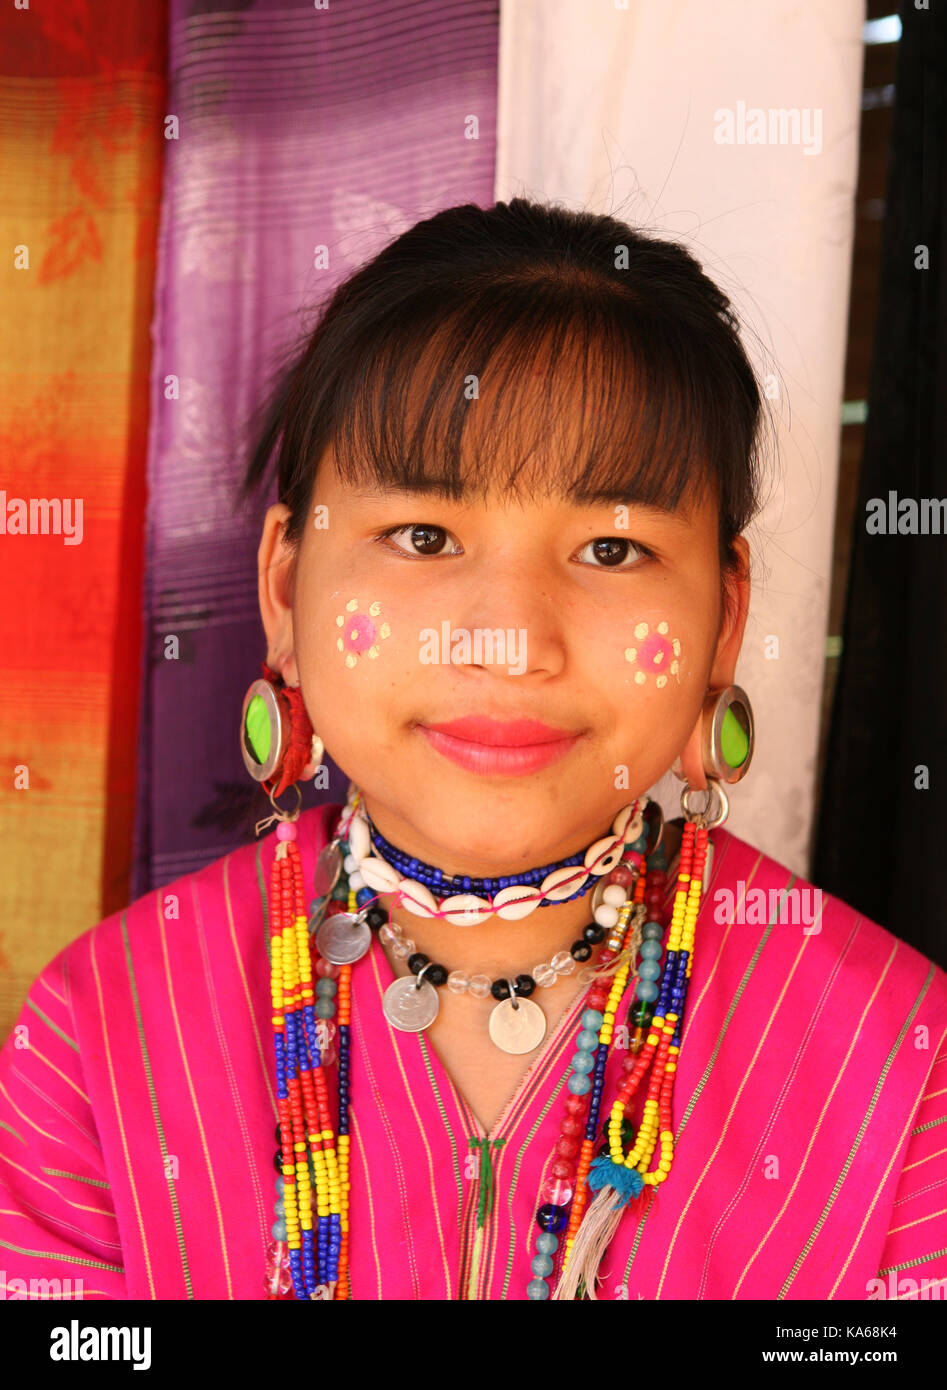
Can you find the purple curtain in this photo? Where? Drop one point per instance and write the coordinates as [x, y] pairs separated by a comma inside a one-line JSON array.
[[288, 127]]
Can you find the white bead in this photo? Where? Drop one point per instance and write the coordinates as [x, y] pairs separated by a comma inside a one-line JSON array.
[[480, 986], [350, 864], [557, 894], [379, 875], [598, 894], [357, 882], [614, 895], [465, 910], [416, 898], [606, 916], [563, 963], [360, 840], [515, 901], [612, 847]]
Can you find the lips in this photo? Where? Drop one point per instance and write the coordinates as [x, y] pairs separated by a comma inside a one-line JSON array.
[[495, 747], [498, 733]]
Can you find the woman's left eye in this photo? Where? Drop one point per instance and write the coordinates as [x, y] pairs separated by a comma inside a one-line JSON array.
[[612, 551]]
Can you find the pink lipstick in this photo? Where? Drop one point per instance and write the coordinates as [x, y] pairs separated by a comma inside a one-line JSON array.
[[497, 747]]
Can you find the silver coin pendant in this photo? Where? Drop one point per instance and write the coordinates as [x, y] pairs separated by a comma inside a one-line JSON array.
[[328, 868], [519, 1028], [343, 938], [410, 1006]]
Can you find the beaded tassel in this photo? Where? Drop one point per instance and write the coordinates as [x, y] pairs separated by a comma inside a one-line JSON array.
[[605, 1037], [620, 1177], [344, 1038], [571, 1160], [302, 1094]]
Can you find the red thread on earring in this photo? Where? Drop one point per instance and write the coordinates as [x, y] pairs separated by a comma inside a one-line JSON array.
[[299, 747]]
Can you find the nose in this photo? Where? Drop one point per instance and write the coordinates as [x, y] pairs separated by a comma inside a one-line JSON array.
[[512, 626]]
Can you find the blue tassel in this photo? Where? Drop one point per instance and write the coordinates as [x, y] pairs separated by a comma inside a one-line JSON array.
[[604, 1172]]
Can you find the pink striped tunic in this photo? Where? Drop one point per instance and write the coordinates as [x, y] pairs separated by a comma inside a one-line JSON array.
[[137, 1115]]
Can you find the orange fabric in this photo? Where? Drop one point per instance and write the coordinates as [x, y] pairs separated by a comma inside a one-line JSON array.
[[82, 90]]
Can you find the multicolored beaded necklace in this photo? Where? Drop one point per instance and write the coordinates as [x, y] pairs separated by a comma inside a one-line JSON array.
[[308, 1254]]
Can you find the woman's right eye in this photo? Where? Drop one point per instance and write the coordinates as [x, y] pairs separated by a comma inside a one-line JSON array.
[[424, 539]]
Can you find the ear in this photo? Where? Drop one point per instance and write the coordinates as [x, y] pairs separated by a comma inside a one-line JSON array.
[[276, 572], [736, 606]]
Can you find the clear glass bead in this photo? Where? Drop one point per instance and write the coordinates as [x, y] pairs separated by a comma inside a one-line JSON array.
[[404, 947], [279, 1279], [557, 1191], [544, 975], [563, 963], [479, 986], [387, 934], [458, 982]]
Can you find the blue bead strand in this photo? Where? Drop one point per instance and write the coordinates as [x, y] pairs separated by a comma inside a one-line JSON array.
[[434, 879], [590, 1056]]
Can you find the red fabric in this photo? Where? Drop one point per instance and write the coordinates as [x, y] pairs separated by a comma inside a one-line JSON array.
[[299, 749]]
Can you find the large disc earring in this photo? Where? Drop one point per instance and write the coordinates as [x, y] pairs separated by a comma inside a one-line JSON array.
[[276, 737], [726, 736]]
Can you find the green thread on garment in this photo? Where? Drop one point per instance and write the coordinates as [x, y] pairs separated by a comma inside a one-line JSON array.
[[485, 1201]]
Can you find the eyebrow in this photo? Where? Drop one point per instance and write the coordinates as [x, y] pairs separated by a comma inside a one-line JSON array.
[[435, 488]]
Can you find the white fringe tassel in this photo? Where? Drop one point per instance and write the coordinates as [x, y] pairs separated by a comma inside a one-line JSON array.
[[596, 1229]]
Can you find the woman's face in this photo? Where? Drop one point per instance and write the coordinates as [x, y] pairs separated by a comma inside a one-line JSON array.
[[604, 642]]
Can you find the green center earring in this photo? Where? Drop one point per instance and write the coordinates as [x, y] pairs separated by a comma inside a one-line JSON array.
[[726, 736], [276, 736], [726, 742]]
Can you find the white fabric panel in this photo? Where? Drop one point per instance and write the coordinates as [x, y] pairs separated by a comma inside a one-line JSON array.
[[616, 109]]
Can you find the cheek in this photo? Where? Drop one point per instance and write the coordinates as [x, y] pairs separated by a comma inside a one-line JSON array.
[[360, 631], [656, 654]]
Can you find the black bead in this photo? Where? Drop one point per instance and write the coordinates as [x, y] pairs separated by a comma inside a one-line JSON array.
[[417, 962], [524, 985], [580, 950], [437, 975], [594, 933], [279, 1135], [278, 1162], [500, 989], [376, 917]]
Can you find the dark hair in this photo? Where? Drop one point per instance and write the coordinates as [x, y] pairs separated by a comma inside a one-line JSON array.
[[670, 406]]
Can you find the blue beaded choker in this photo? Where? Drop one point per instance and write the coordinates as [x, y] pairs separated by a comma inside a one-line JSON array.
[[443, 885]]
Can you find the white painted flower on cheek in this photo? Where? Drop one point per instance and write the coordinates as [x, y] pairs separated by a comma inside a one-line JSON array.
[[655, 655], [361, 634]]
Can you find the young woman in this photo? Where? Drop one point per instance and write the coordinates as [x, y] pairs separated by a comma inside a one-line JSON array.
[[490, 1029]]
